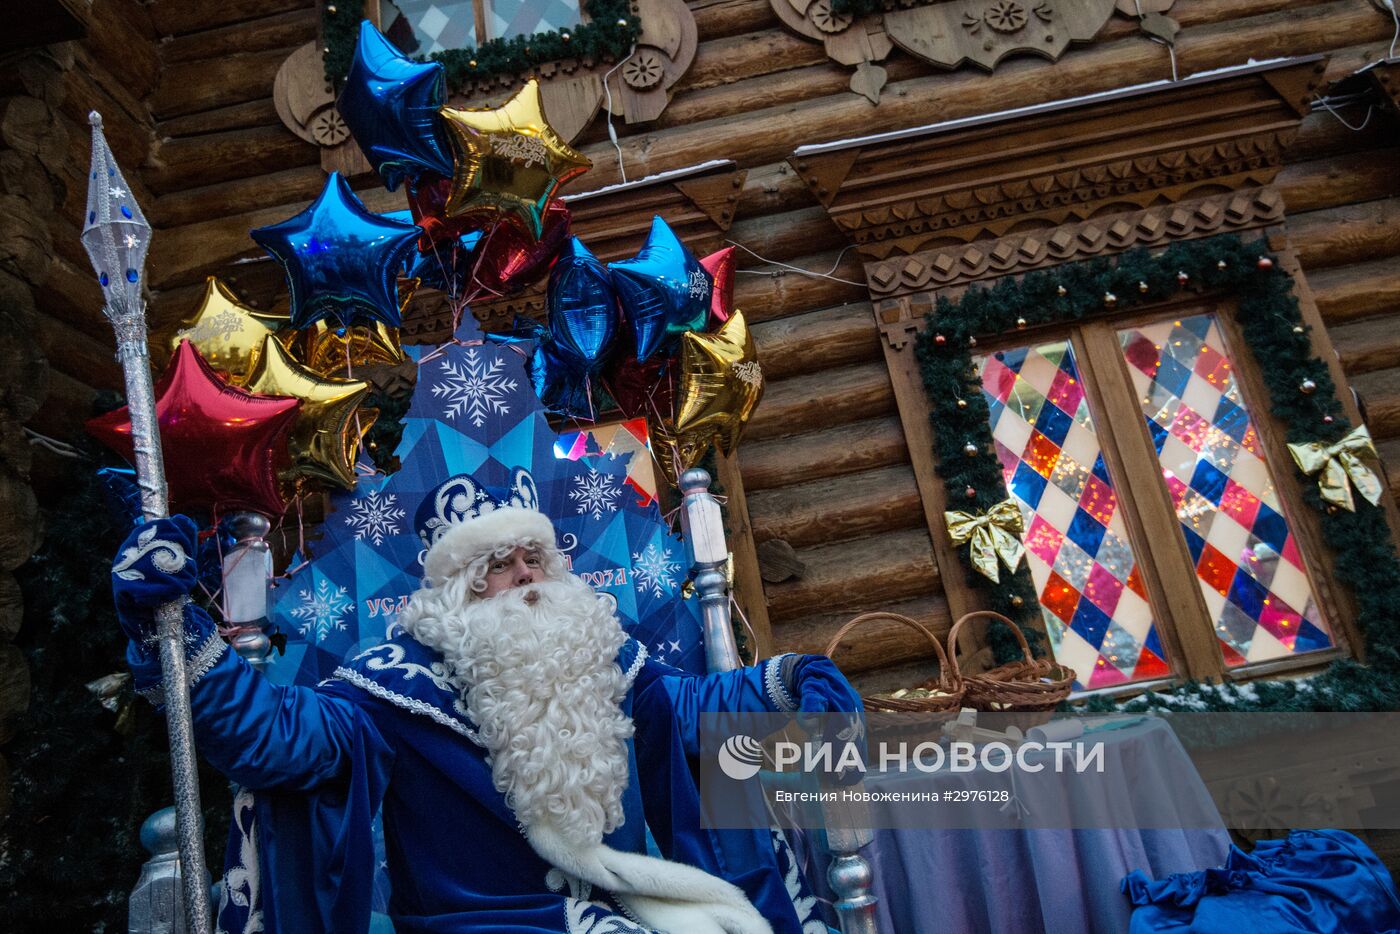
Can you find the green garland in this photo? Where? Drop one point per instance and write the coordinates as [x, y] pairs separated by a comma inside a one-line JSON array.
[[607, 36], [1272, 328]]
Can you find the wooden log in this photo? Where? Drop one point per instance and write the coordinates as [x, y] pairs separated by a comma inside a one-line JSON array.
[[875, 645], [785, 236], [67, 404], [1343, 179], [80, 351], [817, 340], [200, 161], [25, 244], [73, 296], [769, 189], [21, 530], [1380, 398], [126, 122], [121, 38], [1321, 135], [769, 293], [178, 17], [11, 606], [41, 73], [22, 175], [288, 188], [716, 19], [1349, 234], [749, 55], [883, 569], [246, 116], [822, 400], [279, 31], [846, 449], [838, 509], [1348, 293], [228, 79], [30, 126], [1367, 345], [697, 126]]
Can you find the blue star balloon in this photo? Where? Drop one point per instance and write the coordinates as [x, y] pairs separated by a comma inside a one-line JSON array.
[[559, 382], [664, 290], [582, 307], [390, 103], [445, 266], [340, 259]]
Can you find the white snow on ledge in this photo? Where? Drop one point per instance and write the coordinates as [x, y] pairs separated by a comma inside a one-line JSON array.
[[1047, 107], [649, 180]]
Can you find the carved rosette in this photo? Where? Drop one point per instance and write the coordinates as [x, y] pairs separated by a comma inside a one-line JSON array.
[[948, 33]]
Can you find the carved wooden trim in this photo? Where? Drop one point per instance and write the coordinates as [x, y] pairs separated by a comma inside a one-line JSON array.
[[1074, 162], [614, 221], [959, 264], [1386, 77], [948, 33]]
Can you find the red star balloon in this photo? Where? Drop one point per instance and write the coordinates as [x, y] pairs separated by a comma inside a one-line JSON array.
[[223, 447], [720, 266]]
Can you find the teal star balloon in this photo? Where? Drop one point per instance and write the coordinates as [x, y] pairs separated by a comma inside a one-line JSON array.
[[664, 291], [390, 103], [340, 259]]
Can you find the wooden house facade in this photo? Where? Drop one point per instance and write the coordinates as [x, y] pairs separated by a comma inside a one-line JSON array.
[[867, 165]]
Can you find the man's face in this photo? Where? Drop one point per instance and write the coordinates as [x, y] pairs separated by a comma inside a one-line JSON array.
[[520, 568]]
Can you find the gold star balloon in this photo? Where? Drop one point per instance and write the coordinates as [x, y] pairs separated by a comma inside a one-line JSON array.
[[508, 160], [721, 383], [228, 334], [675, 455], [331, 350], [326, 437]]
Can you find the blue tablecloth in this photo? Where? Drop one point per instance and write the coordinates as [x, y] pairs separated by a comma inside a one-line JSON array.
[[1041, 881]]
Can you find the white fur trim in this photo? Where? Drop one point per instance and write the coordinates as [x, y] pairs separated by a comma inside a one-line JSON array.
[[505, 526], [665, 895]]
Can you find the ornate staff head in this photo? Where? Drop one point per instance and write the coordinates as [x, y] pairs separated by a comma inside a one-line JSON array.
[[116, 237]]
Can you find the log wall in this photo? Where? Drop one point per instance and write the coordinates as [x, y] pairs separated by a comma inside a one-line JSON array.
[[824, 466]]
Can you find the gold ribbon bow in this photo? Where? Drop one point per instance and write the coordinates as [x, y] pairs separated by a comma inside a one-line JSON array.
[[994, 534], [1340, 466]]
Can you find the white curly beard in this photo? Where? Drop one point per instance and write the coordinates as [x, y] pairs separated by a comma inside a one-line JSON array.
[[536, 667]]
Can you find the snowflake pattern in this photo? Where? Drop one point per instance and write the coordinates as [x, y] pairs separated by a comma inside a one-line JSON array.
[[322, 610], [374, 516], [652, 569], [475, 388], [595, 493]]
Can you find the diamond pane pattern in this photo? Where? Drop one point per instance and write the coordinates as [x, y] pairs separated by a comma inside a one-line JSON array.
[[1096, 610], [1247, 562], [426, 27]]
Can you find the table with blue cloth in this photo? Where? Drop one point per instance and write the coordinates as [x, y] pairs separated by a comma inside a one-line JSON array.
[[1042, 881]]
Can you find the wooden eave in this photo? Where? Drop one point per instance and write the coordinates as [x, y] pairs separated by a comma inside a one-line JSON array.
[[980, 178]]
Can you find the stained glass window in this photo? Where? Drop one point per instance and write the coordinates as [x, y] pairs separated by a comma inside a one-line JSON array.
[[424, 27], [1091, 593], [1247, 559]]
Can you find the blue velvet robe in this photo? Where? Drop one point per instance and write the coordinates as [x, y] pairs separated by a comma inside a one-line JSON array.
[[389, 734]]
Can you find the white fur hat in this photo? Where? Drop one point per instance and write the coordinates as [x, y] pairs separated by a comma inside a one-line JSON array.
[[503, 527]]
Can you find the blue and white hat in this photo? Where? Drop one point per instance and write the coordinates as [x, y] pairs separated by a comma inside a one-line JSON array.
[[461, 520]]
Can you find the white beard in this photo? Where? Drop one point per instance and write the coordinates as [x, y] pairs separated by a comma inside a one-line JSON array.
[[540, 681]]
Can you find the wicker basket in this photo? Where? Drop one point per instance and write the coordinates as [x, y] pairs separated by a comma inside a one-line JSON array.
[[1029, 689], [948, 680]]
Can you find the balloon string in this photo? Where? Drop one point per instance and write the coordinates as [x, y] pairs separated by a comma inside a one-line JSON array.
[[607, 90], [753, 637], [796, 269]]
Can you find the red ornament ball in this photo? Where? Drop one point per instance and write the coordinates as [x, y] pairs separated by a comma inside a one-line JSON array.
[[1326, 419], [970, 492], [1182, 278], [940, 340], [1265, 263]]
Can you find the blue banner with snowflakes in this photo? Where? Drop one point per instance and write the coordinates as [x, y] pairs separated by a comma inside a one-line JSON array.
[[473, 426]]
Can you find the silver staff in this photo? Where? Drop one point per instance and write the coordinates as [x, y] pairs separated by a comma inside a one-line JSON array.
[[116, 237]]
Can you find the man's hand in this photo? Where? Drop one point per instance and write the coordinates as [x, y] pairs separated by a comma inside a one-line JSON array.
[[156, 564], [824, 699]]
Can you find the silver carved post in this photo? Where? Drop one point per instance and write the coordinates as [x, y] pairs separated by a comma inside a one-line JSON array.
[[246, 570], [154, 906], [116, 237], [703, 523]]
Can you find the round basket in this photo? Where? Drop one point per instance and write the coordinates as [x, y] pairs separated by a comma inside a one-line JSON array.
[[1033, 686], [948, 681]]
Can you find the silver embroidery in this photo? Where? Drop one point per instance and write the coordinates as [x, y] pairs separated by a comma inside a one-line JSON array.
[[394, 661], [635, 668], [778, 694], [241, 881], [168, 557], [200, 664], [410, 704]]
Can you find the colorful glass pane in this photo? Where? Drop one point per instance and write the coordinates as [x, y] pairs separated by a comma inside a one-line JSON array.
[[426, 27], [1096, 611], [524, 17], [1247, 561]]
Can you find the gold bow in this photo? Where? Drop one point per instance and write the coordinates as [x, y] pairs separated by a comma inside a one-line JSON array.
[[1337, 463], [994, 534]]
